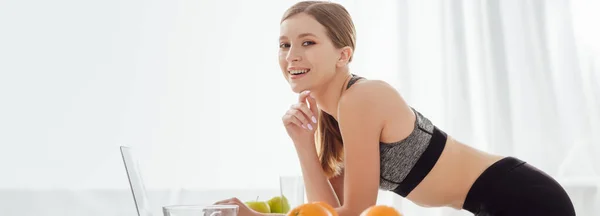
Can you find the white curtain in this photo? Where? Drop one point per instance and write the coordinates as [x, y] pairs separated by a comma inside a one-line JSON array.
[[194, 87], [508, 77]]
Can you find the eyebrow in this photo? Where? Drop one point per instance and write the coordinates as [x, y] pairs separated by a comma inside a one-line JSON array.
[[299, 36]]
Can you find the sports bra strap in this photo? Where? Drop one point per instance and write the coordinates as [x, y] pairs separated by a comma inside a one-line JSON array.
[[353, 80]]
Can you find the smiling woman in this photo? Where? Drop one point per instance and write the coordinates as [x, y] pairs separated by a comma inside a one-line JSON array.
[[190, 85], [310, 27], [369, 138], [312, 40]]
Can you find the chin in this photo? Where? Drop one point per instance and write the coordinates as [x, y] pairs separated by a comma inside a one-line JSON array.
[[298, 88]]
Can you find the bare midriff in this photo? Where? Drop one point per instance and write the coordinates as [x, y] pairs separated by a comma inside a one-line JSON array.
[[451, 178]]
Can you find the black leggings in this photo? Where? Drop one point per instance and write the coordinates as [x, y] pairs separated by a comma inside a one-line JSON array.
[[513, 187]]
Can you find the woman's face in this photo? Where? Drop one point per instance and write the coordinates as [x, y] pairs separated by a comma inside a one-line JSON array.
[[307, 56]]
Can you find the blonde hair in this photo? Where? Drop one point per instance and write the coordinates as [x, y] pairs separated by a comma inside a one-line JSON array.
[[340, 30]]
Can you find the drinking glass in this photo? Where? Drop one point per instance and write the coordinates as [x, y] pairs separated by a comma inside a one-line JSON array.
[[292, 188], [196, 210]]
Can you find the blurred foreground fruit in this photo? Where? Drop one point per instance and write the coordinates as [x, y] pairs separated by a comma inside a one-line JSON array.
[[328, 207], [259, 206], [380, 210], [279, 204], [313, 209]]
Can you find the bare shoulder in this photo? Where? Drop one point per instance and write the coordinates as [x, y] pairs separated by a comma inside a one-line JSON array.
[[377, 104], [369, 95]]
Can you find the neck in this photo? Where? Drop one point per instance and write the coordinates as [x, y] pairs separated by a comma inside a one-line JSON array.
[[329, 95]]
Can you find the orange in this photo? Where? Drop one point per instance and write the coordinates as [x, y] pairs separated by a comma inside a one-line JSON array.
[[328, 207], [380, 210], [310, 209]]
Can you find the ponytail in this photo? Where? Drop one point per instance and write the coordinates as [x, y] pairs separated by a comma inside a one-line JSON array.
[[329, 145]]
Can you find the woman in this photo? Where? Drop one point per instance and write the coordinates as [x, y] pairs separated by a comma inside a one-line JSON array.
[[354, 136]]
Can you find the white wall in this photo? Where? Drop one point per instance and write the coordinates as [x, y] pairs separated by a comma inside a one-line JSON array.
[[176, 80]]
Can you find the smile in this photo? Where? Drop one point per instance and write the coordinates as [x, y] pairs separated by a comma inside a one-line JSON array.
[[298, 72]]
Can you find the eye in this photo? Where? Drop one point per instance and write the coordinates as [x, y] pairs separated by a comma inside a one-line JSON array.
[[284, 45], [307, 43]]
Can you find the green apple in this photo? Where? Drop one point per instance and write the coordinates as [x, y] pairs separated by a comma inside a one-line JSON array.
[[259, 206], [279, 204]]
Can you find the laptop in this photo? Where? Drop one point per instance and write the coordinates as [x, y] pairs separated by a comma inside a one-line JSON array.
[[142, 205], [135, 182]]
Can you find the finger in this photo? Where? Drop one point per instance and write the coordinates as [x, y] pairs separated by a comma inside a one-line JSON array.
[[221, 202], [313, 106], [300, 116], [310, 116], [302, 96], [291, 119], [232, 200], [236, 200], [305, 126]]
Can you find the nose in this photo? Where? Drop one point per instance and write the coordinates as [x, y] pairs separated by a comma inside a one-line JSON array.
[[293, 55]]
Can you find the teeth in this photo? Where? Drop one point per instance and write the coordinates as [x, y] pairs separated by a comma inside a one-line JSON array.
[[298, 71]]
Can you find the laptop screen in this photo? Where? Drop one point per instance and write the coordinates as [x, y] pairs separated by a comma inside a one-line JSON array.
[[135, 182]]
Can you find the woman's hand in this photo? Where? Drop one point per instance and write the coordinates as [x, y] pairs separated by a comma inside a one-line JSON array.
[[243, 210], [300, 121]]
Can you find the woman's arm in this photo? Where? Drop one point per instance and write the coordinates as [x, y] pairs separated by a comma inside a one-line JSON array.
[[317, 185], [297, 122], [361, 118], [337, 183]]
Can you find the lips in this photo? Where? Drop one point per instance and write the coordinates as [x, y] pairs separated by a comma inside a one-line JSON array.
[[298, 71]]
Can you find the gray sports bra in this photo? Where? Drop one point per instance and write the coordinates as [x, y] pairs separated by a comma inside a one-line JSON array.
[[405, 163]]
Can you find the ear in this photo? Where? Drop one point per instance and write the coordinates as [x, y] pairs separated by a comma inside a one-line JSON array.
[[345, 55]]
